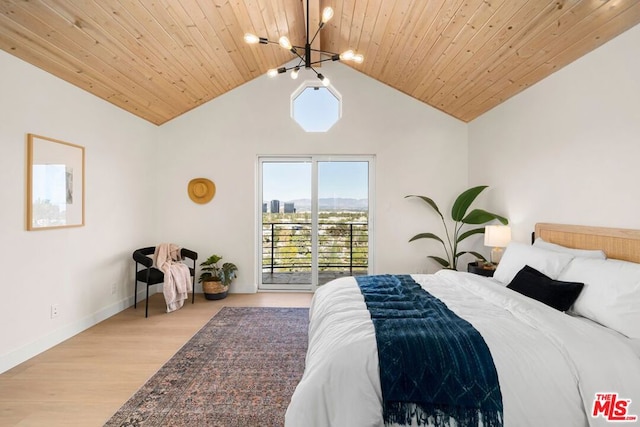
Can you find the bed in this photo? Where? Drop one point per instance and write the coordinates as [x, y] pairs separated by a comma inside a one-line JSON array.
[[576, 365]]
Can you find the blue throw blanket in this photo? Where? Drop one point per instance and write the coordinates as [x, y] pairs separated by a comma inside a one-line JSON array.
[[434, 366]]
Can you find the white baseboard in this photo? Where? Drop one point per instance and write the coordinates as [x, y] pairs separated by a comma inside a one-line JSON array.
[[16, 357]]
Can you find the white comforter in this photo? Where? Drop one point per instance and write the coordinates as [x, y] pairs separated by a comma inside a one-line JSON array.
[[550, 365]]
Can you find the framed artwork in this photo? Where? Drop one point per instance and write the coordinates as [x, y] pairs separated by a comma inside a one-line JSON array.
[[55, 183]]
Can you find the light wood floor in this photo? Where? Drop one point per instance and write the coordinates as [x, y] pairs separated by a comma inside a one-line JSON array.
[[84, 380]]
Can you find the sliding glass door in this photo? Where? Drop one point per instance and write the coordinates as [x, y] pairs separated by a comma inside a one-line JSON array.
[[286, 226], [315, 222]]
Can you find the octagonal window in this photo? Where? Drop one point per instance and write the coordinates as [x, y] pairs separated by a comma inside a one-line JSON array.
[[315, 107]]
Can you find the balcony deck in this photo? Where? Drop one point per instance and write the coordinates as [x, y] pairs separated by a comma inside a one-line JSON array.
[[304, 277], [342, 250]]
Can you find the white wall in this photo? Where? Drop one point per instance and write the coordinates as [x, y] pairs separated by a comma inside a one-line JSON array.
[[137, 175], [418, 150], [74, 267], [567, 150], [564, 150]]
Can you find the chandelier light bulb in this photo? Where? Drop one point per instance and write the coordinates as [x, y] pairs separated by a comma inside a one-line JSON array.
[[272, 72], [327, 14], [325, 81], [347, 56], [285, 43], [251, 38], [294, 73], [358, 58]]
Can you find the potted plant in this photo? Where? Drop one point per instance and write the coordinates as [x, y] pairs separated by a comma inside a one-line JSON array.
[[460, 218], [216, 278]]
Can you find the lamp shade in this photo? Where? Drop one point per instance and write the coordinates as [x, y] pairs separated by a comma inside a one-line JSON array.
[[497, 236]]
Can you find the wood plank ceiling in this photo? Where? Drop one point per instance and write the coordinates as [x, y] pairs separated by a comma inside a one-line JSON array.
[[161, 58]]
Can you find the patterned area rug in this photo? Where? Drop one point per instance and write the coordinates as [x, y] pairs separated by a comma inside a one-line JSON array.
[[240, 369]]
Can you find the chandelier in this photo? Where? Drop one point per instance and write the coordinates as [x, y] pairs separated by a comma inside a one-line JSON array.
[[304, 52]]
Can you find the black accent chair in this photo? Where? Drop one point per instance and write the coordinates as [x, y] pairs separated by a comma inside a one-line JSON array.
[[152, 276]]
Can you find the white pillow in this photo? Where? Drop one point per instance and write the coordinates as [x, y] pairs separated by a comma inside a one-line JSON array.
[[517, 255], [611, 293], [585, 253]]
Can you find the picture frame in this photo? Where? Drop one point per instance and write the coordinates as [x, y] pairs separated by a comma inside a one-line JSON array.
[[55, 183]]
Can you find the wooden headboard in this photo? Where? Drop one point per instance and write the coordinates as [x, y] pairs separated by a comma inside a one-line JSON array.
[[617, 243]]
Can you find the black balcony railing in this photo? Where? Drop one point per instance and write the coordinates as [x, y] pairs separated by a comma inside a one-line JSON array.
[[341, 246]]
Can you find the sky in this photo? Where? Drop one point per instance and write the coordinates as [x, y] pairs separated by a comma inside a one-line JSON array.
[[286, 181], [316, 109]]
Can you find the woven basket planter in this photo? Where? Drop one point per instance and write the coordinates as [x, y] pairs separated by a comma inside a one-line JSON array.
[[214, 290]]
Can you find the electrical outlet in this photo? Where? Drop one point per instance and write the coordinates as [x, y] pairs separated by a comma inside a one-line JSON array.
[[113, 288], [55, 310]]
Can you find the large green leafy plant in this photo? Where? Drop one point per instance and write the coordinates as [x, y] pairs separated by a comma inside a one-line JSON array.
[[224, 273], [461, 217]]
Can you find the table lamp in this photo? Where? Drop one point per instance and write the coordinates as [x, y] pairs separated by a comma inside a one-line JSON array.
[[497, 236]]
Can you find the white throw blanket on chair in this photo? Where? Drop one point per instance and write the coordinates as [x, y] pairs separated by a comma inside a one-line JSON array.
[[177, 278]]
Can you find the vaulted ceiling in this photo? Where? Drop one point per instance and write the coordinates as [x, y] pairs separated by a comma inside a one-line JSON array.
[[161, 58]]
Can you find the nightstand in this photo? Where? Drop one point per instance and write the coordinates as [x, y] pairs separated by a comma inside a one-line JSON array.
[[481, 269]]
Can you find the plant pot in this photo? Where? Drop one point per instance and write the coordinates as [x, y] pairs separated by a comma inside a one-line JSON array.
[[214, 289]]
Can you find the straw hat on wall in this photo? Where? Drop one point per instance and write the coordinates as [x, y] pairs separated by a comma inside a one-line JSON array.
[[201, 190]]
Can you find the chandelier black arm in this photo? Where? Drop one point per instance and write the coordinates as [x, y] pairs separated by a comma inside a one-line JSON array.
[[326, 52], [294, 49], [300, 65], [332, 58], [314, 36], [264, 40], [314, 70], [295, 52]]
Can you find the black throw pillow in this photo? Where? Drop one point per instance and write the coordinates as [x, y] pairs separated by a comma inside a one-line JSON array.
[[554, 293]]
